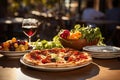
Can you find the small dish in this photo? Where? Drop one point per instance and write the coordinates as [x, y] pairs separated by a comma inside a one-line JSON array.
[[103, 52], [13, 53]]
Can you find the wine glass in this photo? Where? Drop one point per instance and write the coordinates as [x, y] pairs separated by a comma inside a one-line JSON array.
[[29, 27]]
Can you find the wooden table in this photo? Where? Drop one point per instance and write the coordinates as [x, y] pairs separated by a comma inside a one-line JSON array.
[[12, 69], [99, 22]]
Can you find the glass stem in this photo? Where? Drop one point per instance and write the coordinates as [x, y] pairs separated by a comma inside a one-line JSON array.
[[29, 39]]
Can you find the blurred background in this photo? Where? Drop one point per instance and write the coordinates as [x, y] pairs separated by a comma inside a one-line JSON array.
[[60, 14]]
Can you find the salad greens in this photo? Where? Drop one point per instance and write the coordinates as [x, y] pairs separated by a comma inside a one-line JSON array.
[[89, 33]]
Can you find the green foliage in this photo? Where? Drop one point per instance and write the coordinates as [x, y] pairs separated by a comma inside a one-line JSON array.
[[89, 33]]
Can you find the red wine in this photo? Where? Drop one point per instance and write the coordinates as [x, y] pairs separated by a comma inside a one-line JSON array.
[[29, 30]]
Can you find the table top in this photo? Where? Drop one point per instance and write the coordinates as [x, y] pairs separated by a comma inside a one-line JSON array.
[[100, 69], [15, 20], [100, 21]]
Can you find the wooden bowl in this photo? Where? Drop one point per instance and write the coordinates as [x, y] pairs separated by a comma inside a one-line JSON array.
[[77, 44]]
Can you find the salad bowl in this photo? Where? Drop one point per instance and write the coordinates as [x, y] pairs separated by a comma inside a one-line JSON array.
[[77, 44], [79, 37]]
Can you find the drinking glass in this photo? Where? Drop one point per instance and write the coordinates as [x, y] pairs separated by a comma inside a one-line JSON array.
[[29, 27]]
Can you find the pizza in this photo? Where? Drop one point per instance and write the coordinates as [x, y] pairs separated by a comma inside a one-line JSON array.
[[57, 58]]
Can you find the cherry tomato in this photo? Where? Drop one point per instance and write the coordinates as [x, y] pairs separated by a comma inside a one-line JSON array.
[[70, 59], [65, 34], [36, 57], [62, 50], [76, 52], [82, 56], [45, 61]]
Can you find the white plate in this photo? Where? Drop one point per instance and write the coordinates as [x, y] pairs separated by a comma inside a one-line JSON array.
[[103, 51], [53, 69], [13, 53]]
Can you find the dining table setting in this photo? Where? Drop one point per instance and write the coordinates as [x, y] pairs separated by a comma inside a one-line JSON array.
[[76, 54]]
